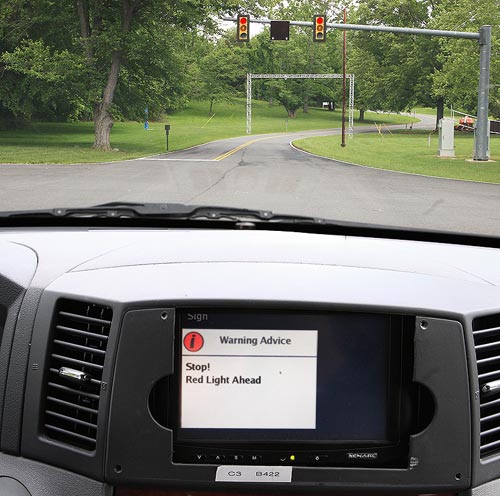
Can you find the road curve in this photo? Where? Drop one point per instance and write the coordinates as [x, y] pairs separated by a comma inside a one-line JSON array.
[[263, 172]]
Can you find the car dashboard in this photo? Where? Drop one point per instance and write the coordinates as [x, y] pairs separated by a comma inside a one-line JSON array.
[[150, 361]]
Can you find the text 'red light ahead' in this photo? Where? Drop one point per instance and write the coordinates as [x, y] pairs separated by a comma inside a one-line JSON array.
[[319, 31], [243, 28]]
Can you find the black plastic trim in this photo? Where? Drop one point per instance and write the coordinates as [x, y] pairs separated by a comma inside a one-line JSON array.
[[143, 457], [343, 228]]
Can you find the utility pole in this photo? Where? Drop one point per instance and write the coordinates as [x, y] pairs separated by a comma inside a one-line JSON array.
[[482, 123], [344, 81]]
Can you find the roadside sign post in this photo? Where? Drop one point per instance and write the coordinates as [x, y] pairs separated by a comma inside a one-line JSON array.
[[167, 132]]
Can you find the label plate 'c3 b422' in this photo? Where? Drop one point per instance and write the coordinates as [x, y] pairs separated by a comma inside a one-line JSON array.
[[235, 473]]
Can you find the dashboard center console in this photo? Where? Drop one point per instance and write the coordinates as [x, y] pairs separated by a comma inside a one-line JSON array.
[[239, 371], [292, 388]]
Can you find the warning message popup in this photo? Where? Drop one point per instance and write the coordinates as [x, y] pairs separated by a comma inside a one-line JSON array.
[[248, 379]]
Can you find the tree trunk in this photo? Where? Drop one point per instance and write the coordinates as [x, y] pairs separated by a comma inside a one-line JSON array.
[[291, 113], [211, 107], [305, 108], [361, 115], [103, 122], [439, 110], [83, 16]]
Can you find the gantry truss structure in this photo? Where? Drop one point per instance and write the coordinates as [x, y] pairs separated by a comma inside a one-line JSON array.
[[251, 77]]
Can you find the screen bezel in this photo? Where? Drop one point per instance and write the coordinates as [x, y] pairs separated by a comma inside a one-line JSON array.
[[399, 370]]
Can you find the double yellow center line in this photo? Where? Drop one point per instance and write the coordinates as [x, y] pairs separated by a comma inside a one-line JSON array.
[[240, 147]]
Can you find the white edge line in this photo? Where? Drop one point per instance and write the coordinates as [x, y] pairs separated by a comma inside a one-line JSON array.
[[178, 159], [388, 170]]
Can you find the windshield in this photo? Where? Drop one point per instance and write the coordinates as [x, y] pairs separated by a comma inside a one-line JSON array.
[[269, 105]]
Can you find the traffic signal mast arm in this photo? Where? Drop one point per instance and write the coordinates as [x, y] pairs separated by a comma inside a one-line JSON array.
[[484, 39], [387, 29]]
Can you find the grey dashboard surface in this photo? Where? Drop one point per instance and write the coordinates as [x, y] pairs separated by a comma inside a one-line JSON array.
[[142, 265], [42, 480]]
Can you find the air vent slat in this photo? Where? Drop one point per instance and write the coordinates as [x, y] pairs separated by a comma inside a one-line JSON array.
[[490, 417], [487, 346], [489, 375], [486, 332], [73, 346], [70, 433], [483, 332], [74, 373], [486, 447], [79, 332], [71, 419], [490, 403], [85, 318], [494, 359], [77, 362], [490, 431], [75, 392], [72, 405]]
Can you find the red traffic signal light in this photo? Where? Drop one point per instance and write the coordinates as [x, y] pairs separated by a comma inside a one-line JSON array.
[[243, 28], [319, 28]]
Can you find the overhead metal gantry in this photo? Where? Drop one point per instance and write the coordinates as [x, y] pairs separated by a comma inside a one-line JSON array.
[[484, 39], [250, 77]]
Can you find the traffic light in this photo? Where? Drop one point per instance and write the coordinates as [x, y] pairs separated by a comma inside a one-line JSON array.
[[243, 28], [319, 28]]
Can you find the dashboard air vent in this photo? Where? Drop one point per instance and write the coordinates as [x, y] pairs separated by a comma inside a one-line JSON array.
[[77, 353], [486, 331]]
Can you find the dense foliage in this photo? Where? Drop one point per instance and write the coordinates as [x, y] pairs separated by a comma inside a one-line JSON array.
[[110, 59], [397, 72]]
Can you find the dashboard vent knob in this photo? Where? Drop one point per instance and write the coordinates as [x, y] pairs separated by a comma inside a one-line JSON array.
[[77, 376]]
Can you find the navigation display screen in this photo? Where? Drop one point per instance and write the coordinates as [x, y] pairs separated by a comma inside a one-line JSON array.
[[286, 376], [249, 379]]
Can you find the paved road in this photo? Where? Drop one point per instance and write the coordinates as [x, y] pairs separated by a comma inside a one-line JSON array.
[[262, 172]]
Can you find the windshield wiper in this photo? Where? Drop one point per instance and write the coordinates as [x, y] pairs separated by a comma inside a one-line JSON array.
[[130, 210], [118, 214]]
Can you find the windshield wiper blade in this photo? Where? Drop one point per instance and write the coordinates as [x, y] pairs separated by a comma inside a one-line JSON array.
[[178, 214], [163, 211]]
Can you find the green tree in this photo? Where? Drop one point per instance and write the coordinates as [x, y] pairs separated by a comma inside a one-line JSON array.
[[221, 70], [37, 77], [396, 72], [124, 51], [393, 72], [109, 32], [457, 80]]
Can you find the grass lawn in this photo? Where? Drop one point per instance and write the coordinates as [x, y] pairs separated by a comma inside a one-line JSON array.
[[410, 152], [72, 142], [429, 111]]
